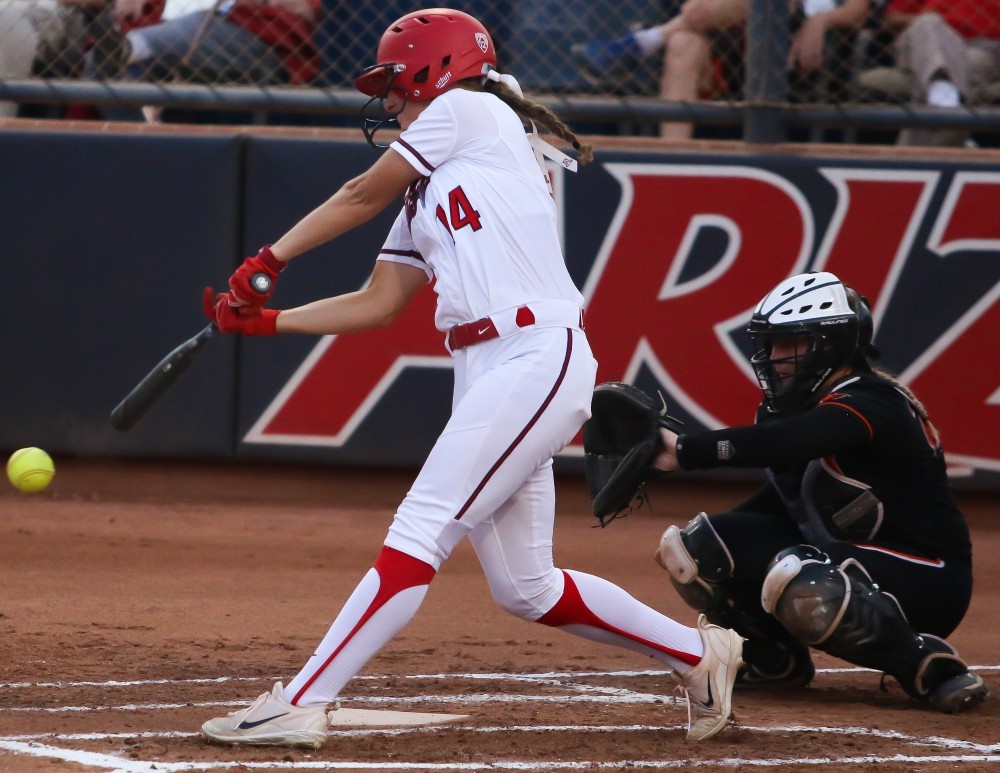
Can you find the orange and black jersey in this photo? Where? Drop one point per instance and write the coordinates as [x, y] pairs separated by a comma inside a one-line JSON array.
[[866, 429]]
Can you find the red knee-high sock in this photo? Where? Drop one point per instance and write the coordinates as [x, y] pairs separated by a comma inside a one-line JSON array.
[[601, 611], [384, 601]]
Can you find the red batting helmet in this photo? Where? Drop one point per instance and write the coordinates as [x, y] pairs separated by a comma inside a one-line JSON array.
[[425, 52]]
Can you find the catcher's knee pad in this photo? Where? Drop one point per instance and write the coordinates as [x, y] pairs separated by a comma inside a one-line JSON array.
[[841, 611], [805, 592], [697, 560]]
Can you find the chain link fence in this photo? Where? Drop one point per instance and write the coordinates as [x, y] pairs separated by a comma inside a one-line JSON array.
[[669, 67]]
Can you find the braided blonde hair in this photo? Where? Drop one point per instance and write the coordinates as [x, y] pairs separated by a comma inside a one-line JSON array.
[[529, 111], [907, 392], [859, 304]]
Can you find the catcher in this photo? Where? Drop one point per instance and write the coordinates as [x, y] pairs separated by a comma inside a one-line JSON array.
[[853, 546]]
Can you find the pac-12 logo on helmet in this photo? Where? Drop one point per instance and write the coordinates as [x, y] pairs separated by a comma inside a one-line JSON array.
[[484, 41]]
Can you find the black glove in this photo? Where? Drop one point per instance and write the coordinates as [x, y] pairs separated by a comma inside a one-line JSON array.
[[620, 440]]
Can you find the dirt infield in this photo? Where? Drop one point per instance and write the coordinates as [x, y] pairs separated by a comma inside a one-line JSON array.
[[138, 600]]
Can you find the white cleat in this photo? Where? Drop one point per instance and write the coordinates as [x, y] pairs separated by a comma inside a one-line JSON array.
[[271, 721], [709, 685]]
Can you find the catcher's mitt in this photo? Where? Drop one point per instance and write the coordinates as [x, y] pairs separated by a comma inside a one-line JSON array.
[[621, 439]]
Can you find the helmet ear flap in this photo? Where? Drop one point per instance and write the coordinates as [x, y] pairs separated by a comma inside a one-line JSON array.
[[866, 326]]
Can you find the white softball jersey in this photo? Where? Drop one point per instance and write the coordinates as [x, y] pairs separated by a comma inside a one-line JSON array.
[[481, 220]]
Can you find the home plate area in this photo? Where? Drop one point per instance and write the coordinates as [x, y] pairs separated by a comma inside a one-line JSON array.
[[344, 717], [612, 720]]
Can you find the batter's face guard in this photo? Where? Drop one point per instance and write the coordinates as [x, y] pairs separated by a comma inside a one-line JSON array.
[[427, 52], [803, 331], [375, 115]]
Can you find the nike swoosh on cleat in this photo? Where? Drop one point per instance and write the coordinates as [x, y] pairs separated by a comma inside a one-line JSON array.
[[711, 701], [250, 725]]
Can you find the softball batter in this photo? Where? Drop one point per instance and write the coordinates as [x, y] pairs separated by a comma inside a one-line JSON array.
[[479, 220]]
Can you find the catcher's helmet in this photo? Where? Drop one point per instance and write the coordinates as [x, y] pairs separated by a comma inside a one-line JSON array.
[[425, 52], [819, 308]]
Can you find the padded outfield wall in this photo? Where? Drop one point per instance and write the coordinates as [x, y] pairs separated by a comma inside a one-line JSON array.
[[108, 237]]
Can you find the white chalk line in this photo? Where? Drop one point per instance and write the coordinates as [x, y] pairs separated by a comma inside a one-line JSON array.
[[370, 677], [479, 698], [587, 693], [115, 764], [360, 678], [947, 743], [133, 682]]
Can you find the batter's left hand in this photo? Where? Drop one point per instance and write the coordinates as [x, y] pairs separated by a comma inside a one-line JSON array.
[[242, 292]]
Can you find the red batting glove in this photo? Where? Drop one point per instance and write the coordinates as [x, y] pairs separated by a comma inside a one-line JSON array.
[[242, 293], [231, 319]]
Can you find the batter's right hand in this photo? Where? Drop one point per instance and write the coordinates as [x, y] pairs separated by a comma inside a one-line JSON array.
[[230, 319], [242, 292]]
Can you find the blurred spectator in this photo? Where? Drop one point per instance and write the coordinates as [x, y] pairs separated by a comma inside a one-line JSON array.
[[692, 40], [261, 42], [945, 52], [45, 37]]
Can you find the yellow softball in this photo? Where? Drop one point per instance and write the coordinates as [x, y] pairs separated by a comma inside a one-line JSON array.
[[30, 470]]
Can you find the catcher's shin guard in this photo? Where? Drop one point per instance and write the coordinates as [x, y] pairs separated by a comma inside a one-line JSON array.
[[839, 610], [701, 567], [697, 560]]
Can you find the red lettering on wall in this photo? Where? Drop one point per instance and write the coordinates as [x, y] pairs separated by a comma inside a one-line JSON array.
[[968, 218], [873, 227], [346, 375], [644, 306], [958, 380], [654, 301], [958, 377]]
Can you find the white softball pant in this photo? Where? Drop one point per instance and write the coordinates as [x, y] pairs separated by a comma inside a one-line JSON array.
[[518, 401]]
